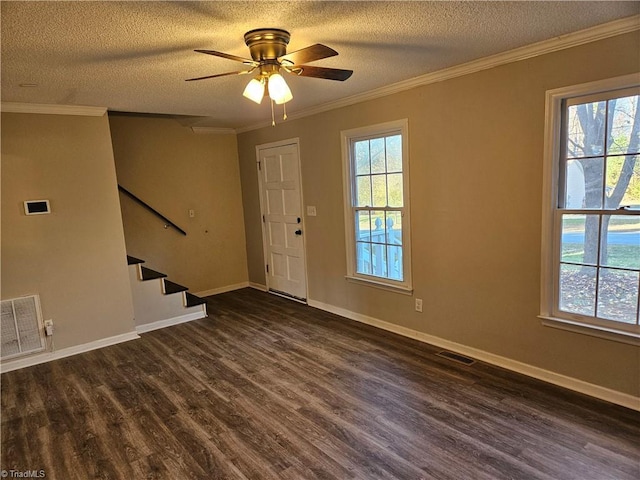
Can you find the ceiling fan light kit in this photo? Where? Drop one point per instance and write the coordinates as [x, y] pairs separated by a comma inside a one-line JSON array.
[[268, 49], [279, 91], [254, 90]]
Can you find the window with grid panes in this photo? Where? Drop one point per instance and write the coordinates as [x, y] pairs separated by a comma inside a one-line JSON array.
[[376, 190], [596, 212]]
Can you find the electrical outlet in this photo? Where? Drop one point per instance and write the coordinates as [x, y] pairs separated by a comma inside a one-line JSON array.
[[418, 305], [192, 213], [48, 327]]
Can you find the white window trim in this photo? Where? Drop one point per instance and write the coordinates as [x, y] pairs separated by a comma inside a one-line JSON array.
[[549, 249], [346, 137]]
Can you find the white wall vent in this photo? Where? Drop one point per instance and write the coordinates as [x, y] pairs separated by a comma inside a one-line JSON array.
[[22, 331]]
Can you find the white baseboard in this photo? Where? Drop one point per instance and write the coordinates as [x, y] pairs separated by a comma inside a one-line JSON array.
[[65, 352], [148, 327], [216, 291], [45, 357], [258, 286], [570, 383], [230, 288]]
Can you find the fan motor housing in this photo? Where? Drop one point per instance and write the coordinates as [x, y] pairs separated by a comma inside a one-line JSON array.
[[267, 43]]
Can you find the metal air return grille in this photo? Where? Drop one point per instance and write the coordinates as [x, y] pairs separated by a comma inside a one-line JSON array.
[[456, 357], [21, 330]]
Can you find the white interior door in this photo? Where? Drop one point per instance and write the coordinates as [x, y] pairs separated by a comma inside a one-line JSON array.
[[281, 200]]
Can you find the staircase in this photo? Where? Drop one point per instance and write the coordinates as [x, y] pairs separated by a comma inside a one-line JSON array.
[[158, 302]]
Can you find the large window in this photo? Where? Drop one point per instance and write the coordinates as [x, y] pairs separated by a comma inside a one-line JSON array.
[[377, 213], [593, 276]]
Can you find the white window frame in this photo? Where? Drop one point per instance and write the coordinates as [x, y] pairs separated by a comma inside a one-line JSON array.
[[550, 251], [348, 137]]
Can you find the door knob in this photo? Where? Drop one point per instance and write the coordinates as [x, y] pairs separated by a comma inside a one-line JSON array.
[[298, 232]]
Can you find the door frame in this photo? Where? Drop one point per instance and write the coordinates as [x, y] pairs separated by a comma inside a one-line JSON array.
[[281, 143]]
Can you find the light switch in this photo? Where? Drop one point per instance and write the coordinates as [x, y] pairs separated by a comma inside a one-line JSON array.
[[311, 211], [192, 213]]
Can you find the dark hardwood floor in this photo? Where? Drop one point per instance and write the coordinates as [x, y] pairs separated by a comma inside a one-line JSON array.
[[269, 388]]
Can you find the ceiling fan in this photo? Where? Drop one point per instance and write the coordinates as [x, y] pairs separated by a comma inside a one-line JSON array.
[[268, 49]]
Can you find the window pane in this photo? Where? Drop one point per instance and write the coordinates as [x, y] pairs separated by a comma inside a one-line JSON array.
[[363, 258], [394, 262], [394, 228], [394, 153], [377, 155], [585, 130], [620, 243], [379, 259], [577, 289], [622, 112], [379, 187], [584, 183], [378, 227], [394, 185], [623, 181], [579, 242], [363, 226], [361, 150], [363, 194], [574, 192], [618, 295]]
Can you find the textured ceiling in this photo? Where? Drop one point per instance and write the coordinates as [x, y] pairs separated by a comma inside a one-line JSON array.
[[134, 56]]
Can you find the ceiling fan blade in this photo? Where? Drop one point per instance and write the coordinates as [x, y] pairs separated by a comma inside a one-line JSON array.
[[228, 56], [309, 54], [219, 75], [321, 72]]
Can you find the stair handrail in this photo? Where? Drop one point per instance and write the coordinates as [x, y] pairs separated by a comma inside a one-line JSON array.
[[151, 209]]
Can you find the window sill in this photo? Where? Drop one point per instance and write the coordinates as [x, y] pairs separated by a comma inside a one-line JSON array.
[[630, 338], [381, 285]]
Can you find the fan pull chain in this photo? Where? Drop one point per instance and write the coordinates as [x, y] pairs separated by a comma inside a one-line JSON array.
[[273, 118]]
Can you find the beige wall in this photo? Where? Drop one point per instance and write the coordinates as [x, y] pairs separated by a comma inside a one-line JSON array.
[[74, 258], [175, 170], [476, 155]]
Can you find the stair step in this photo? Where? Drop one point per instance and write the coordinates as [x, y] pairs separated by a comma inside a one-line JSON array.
[[133, 260], [171, 287], [148, 274], [193, 300]]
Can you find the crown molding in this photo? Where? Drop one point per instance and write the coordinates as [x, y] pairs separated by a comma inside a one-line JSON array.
[[301, 114], [50, 109], [214, 130], [574, 39]]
